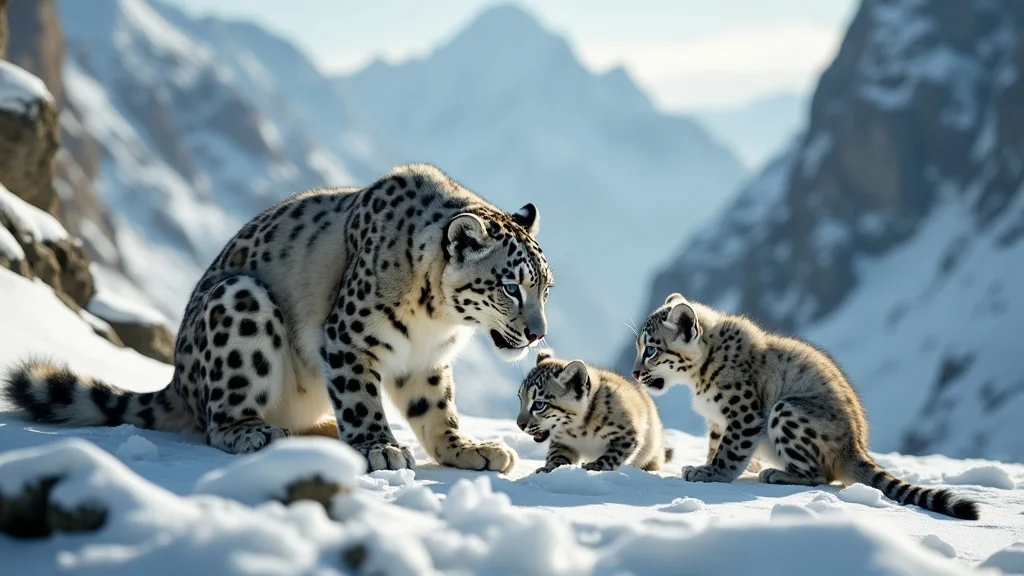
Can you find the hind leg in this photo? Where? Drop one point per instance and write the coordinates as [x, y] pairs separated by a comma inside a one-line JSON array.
[[240, 364], [796, 442]]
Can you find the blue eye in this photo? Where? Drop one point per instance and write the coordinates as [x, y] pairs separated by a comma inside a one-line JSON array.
[[511, 288], [650, 351], [538, 406]]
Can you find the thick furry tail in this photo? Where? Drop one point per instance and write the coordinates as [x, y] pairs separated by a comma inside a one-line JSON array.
[[941, 500], [55, 395], [668, 453]]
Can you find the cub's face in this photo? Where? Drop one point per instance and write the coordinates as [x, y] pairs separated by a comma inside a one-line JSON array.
[[497, 278], [668, 347], [552, 395]]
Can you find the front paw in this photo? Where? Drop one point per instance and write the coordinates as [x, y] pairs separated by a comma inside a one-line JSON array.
[[386, 456], [702, 474], [545, 469], [599, 466], [481, 456]]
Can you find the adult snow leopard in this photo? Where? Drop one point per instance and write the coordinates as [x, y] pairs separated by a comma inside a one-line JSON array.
[[774, 396], [321, 305]]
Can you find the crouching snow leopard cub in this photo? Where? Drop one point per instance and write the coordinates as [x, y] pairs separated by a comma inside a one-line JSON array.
[[321, 305], [777, 397], [591, 415]]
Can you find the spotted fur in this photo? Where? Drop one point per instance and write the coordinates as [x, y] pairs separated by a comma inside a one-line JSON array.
[[320, 306], [774, 396], [591, 415]]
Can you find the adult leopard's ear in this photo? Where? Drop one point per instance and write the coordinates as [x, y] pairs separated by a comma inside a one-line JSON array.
[[528, 217], [682, 321], [464, 237], [543, 354], [575, 378], [674, 297]]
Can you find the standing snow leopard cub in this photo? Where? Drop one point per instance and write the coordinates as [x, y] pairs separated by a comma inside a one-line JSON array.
[[591, 415], [778, 398]]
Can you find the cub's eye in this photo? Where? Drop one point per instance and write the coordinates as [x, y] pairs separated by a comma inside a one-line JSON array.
[[650, 351], [511, 288], [538, 406]]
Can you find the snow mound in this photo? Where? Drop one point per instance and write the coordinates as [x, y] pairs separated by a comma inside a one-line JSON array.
[[19, 89], [684, 505], [266, 474], [989, 476], [9, 246], [1010, 559], [108, 306], [939, 545], [862, 494], [570, 480], [38, 224], [395, 477], [786, 511], [137, 448], [418, 497], [839, 548]]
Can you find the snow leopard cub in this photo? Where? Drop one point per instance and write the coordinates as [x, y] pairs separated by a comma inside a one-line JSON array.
[[591, 415], [777, 397]]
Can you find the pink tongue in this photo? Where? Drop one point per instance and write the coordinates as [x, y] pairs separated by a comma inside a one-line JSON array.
[[538, 436]]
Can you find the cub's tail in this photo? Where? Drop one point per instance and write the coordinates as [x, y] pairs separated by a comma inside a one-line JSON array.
[[54, 394], [940, 500]]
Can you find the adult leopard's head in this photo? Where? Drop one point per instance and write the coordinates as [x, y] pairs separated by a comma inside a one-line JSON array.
[[552, 395], [669, 347], [496, 277]]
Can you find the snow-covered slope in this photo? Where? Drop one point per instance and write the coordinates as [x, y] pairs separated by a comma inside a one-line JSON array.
[[188, 154], [176, 506], [892, 231], [506, 107], [757, 130]]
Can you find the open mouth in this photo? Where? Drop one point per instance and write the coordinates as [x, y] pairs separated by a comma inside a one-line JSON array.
[[656, 383], [541, 436], [500, 341]]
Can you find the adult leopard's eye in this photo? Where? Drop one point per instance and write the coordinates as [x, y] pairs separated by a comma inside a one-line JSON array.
[[511, 288], [538, 406], [650, 351]]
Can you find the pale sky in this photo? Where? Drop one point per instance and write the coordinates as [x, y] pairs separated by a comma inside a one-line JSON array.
[[686, 54]]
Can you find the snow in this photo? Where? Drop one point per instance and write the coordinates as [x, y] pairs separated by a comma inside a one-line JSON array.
[[137, 448], [1010, 559], [266, 474], [862, 494], [991, 476], [939, 545], [19, 89], [38, 224], [685, 505], [9, 246], [108, 306], [175, 504]]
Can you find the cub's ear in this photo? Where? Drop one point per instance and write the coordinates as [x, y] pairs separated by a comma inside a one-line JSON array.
[[528, 217], [543, 354], [464, 237], [575, 378], [674, 297], [682, 322]]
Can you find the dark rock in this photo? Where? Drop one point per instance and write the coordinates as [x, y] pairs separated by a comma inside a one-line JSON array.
[[316, 489], [32, 515], [153, 340], [28, 143]]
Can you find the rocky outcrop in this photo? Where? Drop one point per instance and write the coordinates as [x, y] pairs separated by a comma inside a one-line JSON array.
[[33, 168], [3, 29]]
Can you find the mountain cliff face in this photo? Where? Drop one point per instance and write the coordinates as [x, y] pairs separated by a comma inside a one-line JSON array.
[[506, 107], [891, 231]]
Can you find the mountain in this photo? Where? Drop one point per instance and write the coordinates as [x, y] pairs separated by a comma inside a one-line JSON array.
[[506, 107], [891, 232], [756, 131]]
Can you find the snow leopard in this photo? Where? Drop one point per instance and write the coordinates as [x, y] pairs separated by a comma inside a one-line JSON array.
[[590, 414], [319, 307], [775, 396]]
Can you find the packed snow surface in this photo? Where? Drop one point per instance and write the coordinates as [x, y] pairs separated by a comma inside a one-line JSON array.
[[175, 505], [19, 89]]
